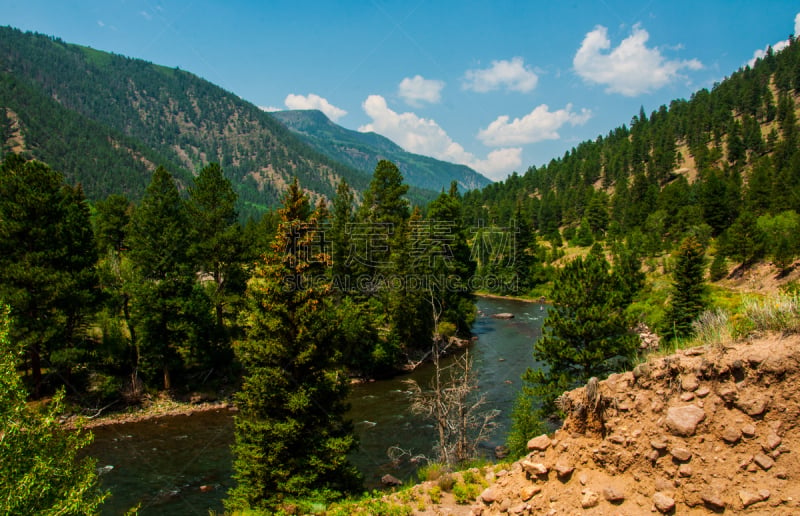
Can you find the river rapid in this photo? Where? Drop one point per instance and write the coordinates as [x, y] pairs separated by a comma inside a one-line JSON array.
[[181, 465]]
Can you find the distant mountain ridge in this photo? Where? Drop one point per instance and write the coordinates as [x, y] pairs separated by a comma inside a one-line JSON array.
[[107, 121], [362, 151]]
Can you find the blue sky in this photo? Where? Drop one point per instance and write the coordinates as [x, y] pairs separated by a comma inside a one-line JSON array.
[[497, 85]]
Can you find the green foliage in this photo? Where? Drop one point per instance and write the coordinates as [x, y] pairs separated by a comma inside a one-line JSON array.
[[466, 493], [526, 423], [782, 232], [41, 471], [586, 333], [170, 312], [47, 258], [689, 292], [291, 437]]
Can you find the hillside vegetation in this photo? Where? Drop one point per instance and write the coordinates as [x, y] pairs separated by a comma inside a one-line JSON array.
[[107, 121], [722, 166]]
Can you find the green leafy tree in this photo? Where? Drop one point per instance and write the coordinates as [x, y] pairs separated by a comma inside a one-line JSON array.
[[292, 439], [586, 333], [688, 294], [42, 471], [782, 232]]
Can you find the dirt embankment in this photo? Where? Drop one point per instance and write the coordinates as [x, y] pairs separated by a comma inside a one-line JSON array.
[[707, 430]]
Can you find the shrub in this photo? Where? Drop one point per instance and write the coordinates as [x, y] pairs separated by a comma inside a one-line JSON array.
[[435, 494], [466, 493], [712, 327], [775, 313]]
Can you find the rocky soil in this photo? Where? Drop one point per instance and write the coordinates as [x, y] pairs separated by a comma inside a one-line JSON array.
[[706, 430]]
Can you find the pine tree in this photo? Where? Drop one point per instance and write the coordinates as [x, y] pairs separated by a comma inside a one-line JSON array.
[[586, 333], [688, 295], [216, 244], [168, 311], [292, 439], [46, 260]]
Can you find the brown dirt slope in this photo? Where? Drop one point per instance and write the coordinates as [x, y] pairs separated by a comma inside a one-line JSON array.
[[707, 430]]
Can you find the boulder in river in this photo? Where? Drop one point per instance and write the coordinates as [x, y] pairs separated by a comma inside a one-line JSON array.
[[503, 315]]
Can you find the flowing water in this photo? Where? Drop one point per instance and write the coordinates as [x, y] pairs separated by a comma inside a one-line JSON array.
[[182, 464]]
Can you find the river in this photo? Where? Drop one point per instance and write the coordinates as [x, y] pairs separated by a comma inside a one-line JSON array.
[[181, 465]]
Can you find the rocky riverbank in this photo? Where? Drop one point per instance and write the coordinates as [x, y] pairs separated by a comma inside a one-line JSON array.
[[706, 430]]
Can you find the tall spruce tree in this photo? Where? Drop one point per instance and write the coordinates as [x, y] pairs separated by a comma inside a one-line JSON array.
[[688, 296], [586, 333], [292, 439]]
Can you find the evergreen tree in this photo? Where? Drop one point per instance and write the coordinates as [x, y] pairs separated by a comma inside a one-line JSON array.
[[46, 260], [170, 314], [688, 295], [42, 471], [586, 332], [292, 439], [216, 244]]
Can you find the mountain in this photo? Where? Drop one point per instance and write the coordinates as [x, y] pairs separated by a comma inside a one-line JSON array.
[[107, 121], [363, 150]]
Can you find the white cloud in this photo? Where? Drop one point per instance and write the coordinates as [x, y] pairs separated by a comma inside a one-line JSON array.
[[424, 136], [416, 90], [312, 101], [147, 16], [269, 109], [512, 75], [538, 125], [780, 45], [631, 68]]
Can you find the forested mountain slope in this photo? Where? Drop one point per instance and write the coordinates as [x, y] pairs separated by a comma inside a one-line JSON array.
[[107, 121], [362, 150], [725, 163]]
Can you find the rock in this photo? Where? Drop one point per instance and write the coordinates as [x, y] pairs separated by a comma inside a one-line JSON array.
[[589, 499], [529, 491], [503, 315], [206, 488], [749, 431], [389, 480], [690, 383], [772, 441], [731, 435], [540, 443], [687, 396], [564, 469], [534, 468], [752, 407], [501, 452], [749, 498], [728, 394], [684, 470], [658, 444], [614, 494], [664, 503], [681, 454], [713, 502], [683, 421], [518, 509], [702, 392], [763, 461], [489, 495]]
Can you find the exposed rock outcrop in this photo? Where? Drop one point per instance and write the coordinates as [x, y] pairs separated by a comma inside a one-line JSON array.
[[707, 430]]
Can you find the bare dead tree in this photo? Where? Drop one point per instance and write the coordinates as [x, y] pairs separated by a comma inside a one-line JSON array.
[[458, 410]]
